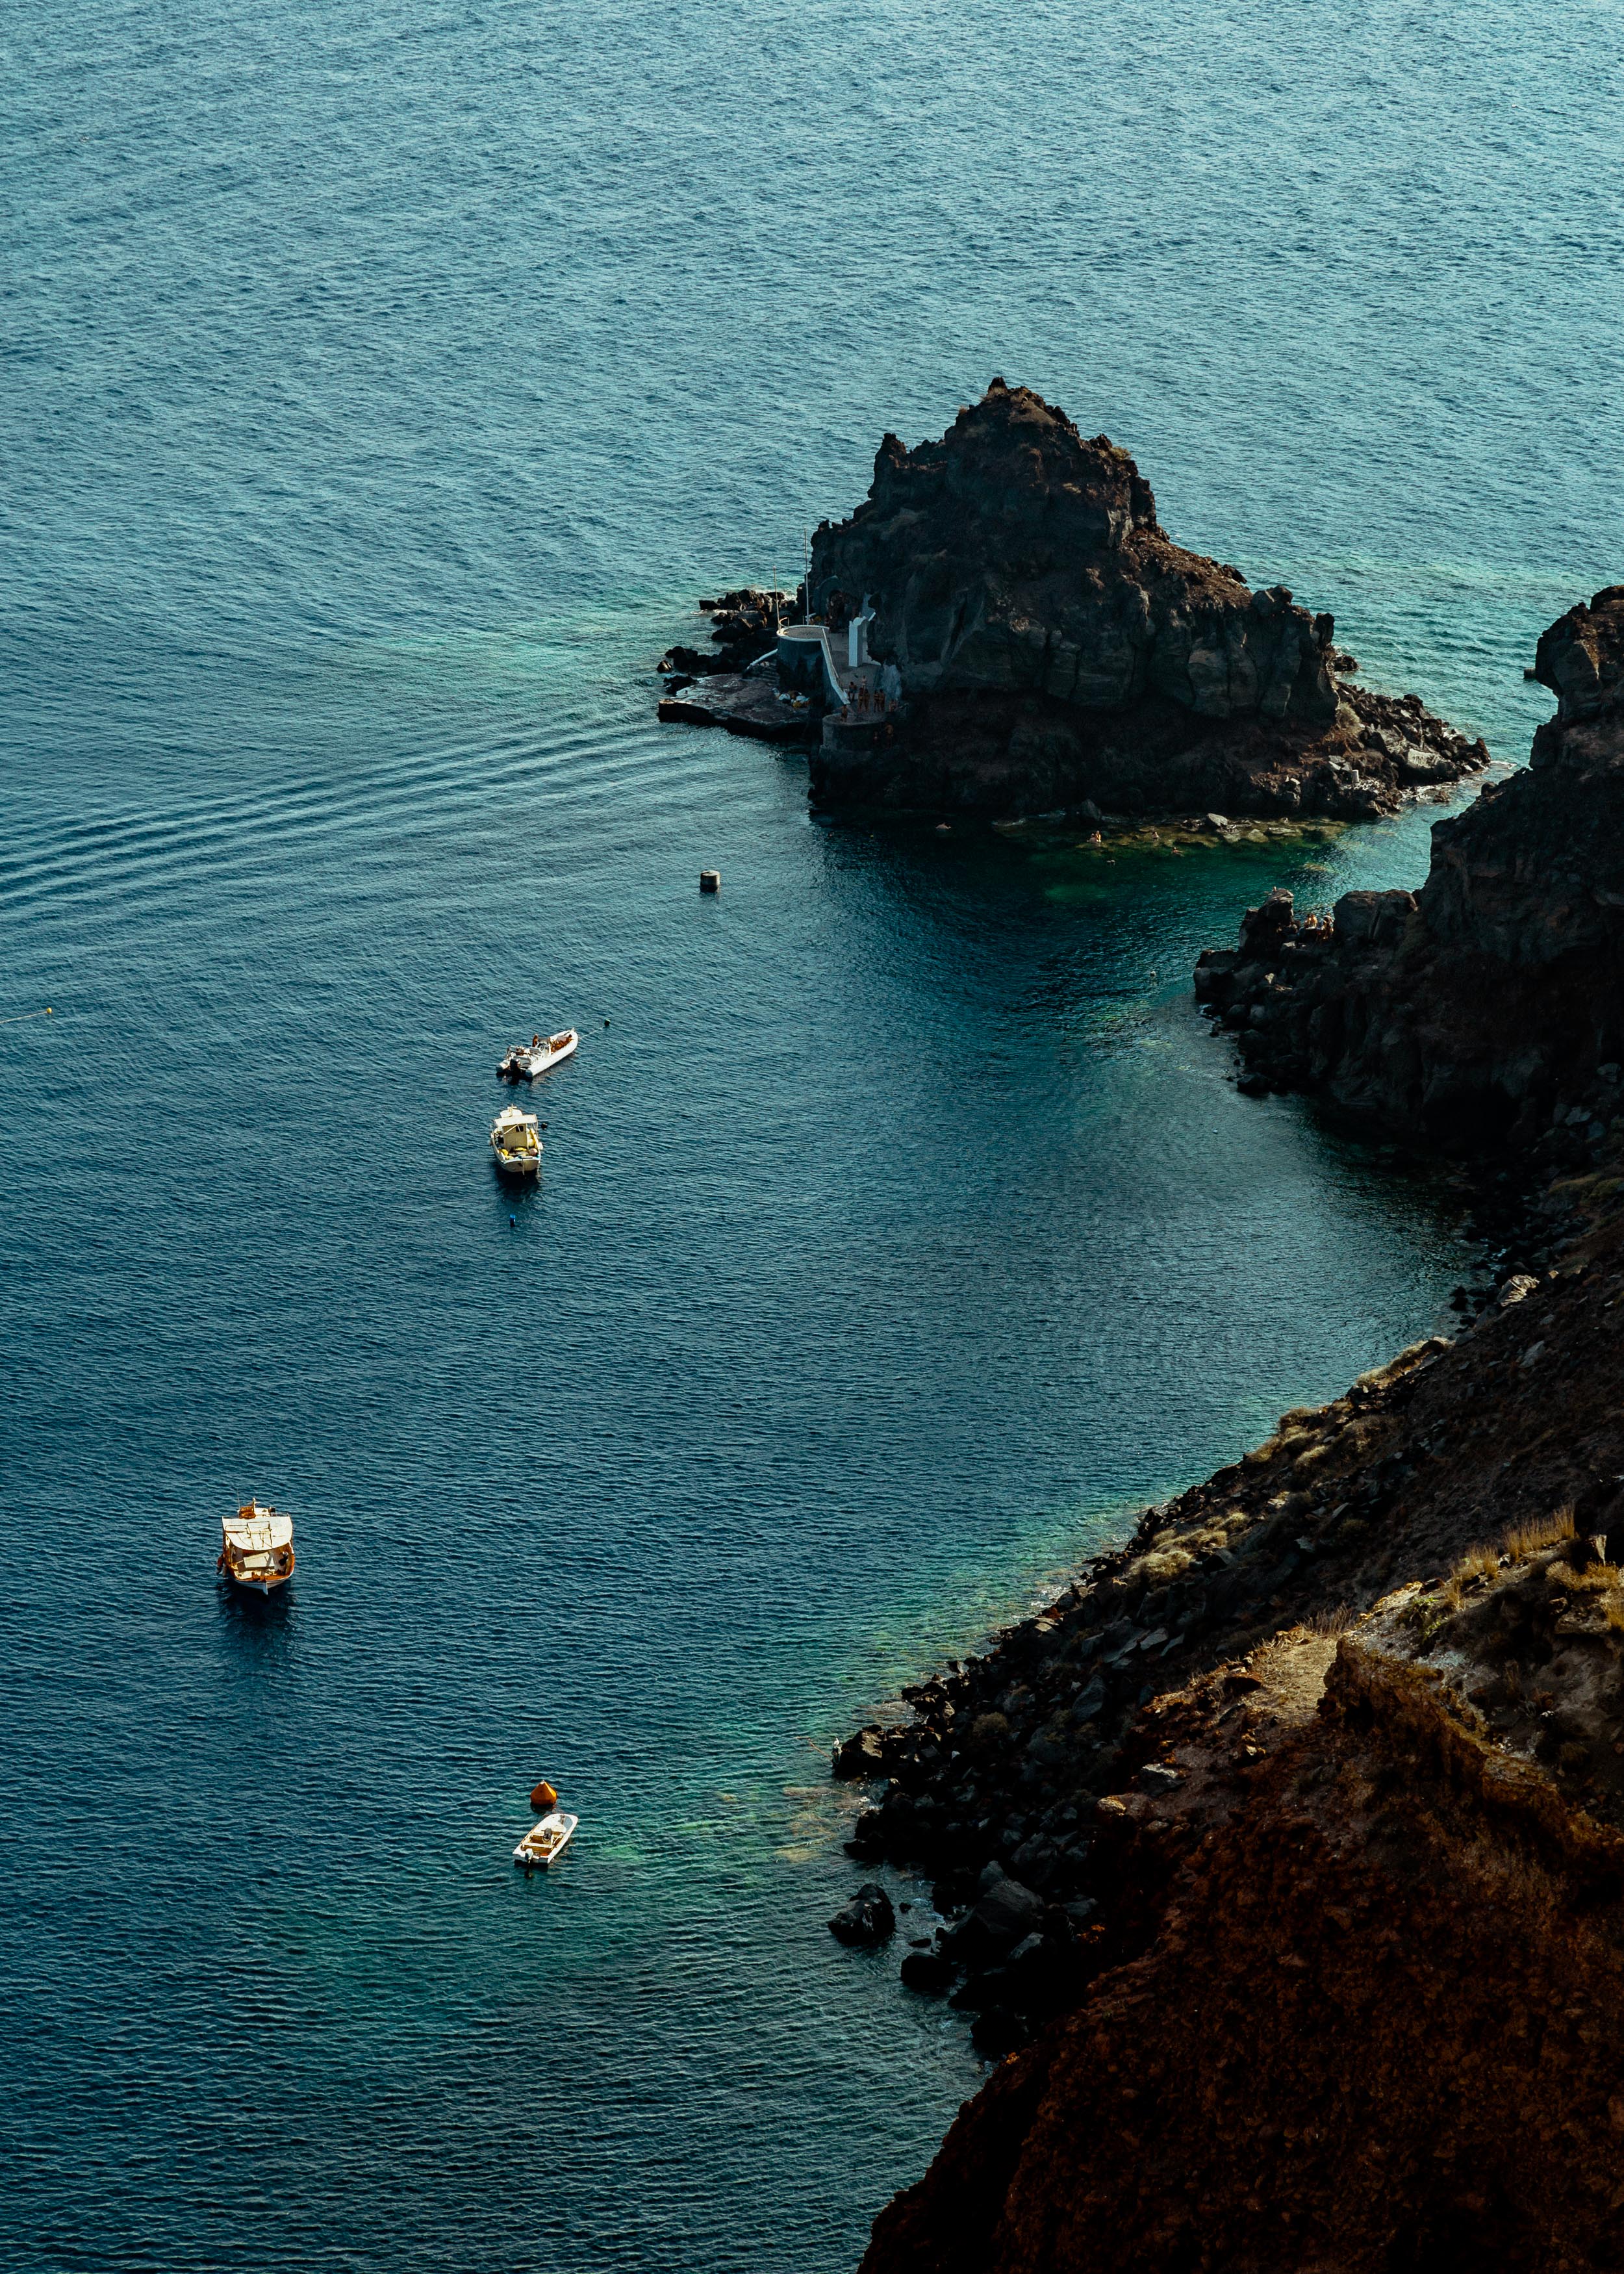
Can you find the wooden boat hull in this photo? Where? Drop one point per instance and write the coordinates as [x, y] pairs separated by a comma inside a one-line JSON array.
[[257, 1582], [256, 1549]]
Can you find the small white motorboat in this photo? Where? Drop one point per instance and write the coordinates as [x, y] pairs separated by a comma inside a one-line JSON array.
[[523, 1064], [544, 1842], [516, 1139]]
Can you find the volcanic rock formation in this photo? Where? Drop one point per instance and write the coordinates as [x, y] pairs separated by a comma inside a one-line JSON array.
[[1053, 646], [1487, 1010]]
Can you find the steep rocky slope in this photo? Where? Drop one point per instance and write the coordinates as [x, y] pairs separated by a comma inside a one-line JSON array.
[[1376, 2025], [1053, 646], [1486, 1011], [1306, 1807]]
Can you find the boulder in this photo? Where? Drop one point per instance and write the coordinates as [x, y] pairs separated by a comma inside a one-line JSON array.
[[867, 1919], [1009, 1911], [929, 1973], [862, 1756], [867, 1835], [999, 2032]]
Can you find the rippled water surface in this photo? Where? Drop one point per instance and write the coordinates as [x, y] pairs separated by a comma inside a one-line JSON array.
[[384, 380]]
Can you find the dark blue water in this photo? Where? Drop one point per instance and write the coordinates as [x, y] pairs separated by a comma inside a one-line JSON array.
[[381, 384]]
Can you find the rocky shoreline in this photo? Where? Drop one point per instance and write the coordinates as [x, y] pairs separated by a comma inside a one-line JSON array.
[[1281, 1859], [1483, 1013]]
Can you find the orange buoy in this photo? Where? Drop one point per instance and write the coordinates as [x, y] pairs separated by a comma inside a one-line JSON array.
[[543, 1797]]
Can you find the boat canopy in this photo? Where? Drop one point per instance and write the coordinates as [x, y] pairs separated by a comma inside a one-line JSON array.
[[257, 1530]]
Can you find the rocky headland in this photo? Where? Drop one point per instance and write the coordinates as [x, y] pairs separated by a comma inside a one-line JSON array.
[[1485, 1012], [1282, 1858], [1035, 642]]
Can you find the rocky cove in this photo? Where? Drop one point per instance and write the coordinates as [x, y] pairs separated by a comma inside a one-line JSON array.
[[1280, 1858]]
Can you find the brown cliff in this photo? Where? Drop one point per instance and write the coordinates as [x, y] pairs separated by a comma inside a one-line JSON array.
[[1335, 1984], [1052, 646], [1376, 2027], [1487, 1011]]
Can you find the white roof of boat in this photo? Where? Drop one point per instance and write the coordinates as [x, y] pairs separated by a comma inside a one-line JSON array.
[[259, 1531]]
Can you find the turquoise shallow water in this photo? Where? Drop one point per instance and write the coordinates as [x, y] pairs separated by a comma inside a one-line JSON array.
[[382, 383]]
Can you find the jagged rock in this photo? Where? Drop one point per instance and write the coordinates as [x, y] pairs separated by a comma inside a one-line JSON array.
[[1487, 1009], [1056, 649], [867, 1919], [860, 1756]]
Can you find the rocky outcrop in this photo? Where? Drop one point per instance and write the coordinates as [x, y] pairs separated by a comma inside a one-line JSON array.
[[1313, 1795], [1319, 1782], [867, 1919], [744, 625], [739, 706], [1053, 645], [1487, 1011]]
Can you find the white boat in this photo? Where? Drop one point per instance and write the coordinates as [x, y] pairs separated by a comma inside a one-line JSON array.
[[516, 1139], [544, 1842], [523, 1065], [257, 1547]]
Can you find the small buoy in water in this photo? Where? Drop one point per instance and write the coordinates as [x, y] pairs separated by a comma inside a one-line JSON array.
[[513, 1219], [543, 1797], [709, 880]]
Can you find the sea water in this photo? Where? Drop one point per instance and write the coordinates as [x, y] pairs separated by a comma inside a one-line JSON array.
[[385, 381]]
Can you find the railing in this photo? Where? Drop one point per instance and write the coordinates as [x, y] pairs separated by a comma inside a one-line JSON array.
[[819, 635]]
